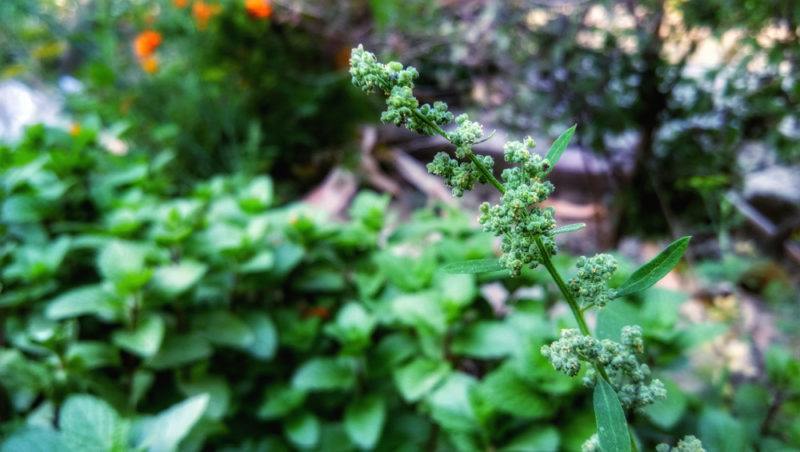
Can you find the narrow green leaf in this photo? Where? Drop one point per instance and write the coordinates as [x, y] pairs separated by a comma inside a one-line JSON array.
[[612, 429], [568, 228], [474, 266], [649, 273], [559, 146]]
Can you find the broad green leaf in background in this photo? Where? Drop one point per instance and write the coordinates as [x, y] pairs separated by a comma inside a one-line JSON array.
[[353, 326], [456, 291], [509, 393], [164, 432], [143, 341], [613, 317], [320, 279], [559, 146], [538, 438], [174, 279], [266, 335], [486, 340], [363, 420], [218, 392], [34, 439], [258, 195], [90, 424], [719, 431], [303, 430], [751, 403], [420, 310], [178, 350], [280, 400], [325, 374], [450, 403], [612, 428], [261, 262], [224, 328], [474, 266], [141, 382], [86, 300], [666, 413], [92, 354], [658, 267], [124, 264], [418, 377], [23, 209]]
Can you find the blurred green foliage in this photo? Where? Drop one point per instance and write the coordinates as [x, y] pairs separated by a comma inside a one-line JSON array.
[[236, 94], [219, 318]]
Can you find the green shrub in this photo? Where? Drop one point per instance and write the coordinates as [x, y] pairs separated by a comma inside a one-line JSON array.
[[137, 319]]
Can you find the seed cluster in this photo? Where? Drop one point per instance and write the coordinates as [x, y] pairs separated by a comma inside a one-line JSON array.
[[629, 377], [590, 285], [688, 444], [518, 219]]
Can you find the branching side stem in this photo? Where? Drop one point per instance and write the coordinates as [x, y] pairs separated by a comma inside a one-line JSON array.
[[543, 253]]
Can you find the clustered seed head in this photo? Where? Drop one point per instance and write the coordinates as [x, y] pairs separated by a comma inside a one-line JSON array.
[[630, 378], [592, 444], [397, 83], [688, 444], [517, 218], [465, 135], [459, 176], [367, 74], [590, 285]]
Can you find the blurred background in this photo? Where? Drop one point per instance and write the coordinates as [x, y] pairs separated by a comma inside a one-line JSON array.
[[200, 166]]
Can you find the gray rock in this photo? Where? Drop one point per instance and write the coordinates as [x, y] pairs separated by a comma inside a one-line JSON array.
[[774, 190]]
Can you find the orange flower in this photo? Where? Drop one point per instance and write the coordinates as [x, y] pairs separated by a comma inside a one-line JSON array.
[[149, 64], [258, 9], [146, 43], [203, 12], [180, 3], [74, 129]]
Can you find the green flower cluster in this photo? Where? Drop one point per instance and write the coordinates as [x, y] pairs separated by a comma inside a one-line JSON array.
[[459, 176], [592, 444], [397, 83], [688, 444], [630, 378], [590, 285], [518, 218]]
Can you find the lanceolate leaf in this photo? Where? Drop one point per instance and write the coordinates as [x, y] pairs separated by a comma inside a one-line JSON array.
[[649, 273], [559, 146], [569, 228], [474, 266], [612, 429]]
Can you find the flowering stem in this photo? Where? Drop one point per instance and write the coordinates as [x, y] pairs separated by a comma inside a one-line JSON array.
[[573, 305], [472, 158]]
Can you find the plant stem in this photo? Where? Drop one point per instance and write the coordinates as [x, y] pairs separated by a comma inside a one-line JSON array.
[[485, 172], [570, 299], [545, 256]]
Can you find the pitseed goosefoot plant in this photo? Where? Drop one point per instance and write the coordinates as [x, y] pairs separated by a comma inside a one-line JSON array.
[[619, 380]]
